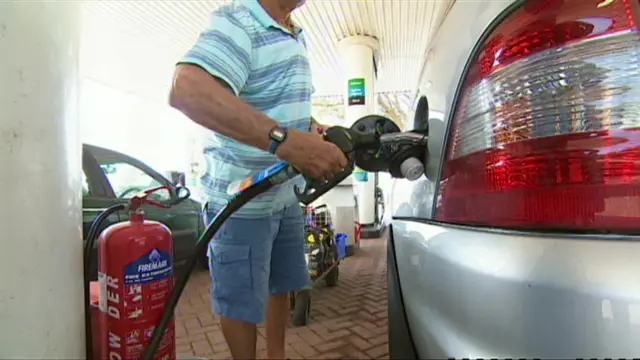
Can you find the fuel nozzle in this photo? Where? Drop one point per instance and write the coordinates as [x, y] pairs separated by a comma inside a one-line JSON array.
[[412, 168], [347, 141], [378, 146]]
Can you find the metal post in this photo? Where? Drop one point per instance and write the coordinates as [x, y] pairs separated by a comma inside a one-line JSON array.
[[358, 66]]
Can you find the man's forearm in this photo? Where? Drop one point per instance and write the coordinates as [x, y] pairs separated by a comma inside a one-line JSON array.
[[211, 104]]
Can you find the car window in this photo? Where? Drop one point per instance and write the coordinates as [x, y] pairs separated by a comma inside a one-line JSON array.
[[85, 185], [128, 180]]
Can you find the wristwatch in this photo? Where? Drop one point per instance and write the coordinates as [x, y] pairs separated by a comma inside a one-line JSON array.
[[277, 135]]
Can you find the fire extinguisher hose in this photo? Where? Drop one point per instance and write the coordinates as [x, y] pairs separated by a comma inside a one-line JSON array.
[[90, 242], [234, 205]]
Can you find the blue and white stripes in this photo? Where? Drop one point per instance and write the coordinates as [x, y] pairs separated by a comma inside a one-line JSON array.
[[267, 67]]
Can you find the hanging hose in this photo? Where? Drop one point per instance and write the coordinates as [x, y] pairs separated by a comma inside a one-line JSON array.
[[347, 140], [92, 236]]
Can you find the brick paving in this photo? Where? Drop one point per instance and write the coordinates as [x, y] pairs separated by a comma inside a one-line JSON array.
[[347, 321]]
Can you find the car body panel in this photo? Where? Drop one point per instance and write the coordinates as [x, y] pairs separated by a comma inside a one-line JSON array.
[[447, 56], [184, 219], [474, 294], [451, 47], [415, 199], [488, 293], [400, 341]]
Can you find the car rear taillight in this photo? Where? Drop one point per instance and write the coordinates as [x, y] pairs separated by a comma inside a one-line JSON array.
[[546, 134]]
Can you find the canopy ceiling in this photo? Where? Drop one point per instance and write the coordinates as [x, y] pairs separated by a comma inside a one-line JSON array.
[[133, 45]]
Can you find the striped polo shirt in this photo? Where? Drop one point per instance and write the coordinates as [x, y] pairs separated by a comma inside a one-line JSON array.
[[266, 65]]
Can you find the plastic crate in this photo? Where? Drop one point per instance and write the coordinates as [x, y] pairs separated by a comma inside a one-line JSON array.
[[341, 242]]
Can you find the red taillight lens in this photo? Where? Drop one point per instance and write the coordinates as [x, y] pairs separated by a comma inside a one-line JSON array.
[[547, 132]]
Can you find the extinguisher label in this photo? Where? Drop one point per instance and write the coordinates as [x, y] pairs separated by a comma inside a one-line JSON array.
[[153, 266]]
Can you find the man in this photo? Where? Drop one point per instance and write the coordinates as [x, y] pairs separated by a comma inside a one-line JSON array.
[[248, 80]]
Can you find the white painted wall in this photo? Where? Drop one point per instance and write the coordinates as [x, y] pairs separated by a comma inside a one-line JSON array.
[[41, 297], [148, 130]]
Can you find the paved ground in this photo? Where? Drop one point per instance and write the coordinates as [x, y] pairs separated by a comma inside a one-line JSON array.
[[347, 321]]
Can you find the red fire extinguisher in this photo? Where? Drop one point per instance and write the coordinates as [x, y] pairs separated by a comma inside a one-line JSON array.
[[135, 273]]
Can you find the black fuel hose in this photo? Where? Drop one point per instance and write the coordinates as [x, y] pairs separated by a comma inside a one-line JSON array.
[[270, 177], [201, 247], [264, 181], [90, 242]]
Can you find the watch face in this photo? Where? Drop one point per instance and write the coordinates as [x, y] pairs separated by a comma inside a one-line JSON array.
[[277, 134]]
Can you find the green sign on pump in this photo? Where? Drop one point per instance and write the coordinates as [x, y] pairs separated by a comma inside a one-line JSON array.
[[356, 91]]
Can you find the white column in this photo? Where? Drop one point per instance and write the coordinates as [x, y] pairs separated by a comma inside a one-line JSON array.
[[357, 54], [41, 282]]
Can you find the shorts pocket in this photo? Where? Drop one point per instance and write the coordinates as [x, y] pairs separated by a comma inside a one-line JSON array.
[[231, 269]]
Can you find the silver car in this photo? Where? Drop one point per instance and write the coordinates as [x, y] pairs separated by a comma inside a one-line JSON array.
[[523, 240]]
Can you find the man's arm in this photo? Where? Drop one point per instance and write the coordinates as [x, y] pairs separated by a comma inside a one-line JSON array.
[[206, 86], [210, 102], [209, 78]]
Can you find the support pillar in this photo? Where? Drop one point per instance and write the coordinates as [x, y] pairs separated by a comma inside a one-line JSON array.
[[41, 291], [359, 77]]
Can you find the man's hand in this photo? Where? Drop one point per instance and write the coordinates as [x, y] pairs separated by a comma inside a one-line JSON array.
[[313, 156]]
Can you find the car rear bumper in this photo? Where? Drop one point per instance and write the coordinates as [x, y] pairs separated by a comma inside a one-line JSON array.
[[481, 294]]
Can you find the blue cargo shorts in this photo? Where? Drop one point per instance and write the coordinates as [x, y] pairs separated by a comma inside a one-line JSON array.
[[250, 259]]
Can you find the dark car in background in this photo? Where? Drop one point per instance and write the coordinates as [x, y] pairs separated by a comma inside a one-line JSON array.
[[112, 178]]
